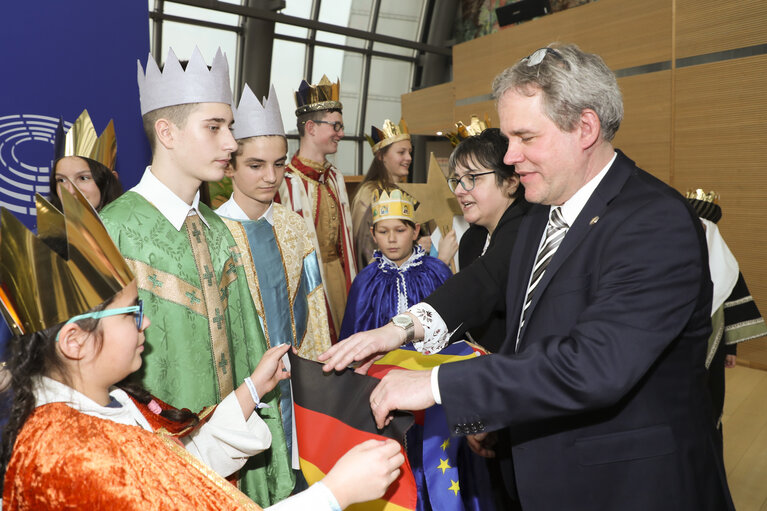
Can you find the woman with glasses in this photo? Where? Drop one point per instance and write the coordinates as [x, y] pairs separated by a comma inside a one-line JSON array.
[[493, 202]]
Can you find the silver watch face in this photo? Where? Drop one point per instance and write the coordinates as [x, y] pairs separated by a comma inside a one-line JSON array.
[[402, 321]]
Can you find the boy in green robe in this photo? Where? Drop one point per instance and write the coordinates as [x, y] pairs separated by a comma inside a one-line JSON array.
[[207, 338]]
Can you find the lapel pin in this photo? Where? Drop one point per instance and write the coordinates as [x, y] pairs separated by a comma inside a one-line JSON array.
[[594, 220]]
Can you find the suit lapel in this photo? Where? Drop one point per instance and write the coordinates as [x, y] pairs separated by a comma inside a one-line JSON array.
[[596, 207]]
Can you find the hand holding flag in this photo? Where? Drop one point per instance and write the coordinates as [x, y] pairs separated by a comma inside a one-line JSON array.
[[401, 390]]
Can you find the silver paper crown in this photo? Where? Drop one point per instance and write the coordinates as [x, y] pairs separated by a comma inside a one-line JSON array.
[[252, 119], [174, 86]]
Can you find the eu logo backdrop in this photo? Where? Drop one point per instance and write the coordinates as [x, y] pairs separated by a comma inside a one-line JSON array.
[[60, 57]]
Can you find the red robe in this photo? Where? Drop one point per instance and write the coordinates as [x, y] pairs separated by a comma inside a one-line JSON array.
[[64, 459]]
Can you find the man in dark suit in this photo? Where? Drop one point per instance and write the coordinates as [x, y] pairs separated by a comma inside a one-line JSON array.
[[599, 386]]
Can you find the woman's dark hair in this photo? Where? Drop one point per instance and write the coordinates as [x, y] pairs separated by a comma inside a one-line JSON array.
[[108, 184], [34, 355], [485, 150]]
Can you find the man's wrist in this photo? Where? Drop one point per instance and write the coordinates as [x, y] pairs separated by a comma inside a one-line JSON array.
[[405, 323]]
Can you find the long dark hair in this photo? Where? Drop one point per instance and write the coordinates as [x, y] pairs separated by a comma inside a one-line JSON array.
[[105, 179], [34, 355]]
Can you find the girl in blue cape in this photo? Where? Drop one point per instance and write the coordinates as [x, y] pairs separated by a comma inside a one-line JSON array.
[[401, 273]]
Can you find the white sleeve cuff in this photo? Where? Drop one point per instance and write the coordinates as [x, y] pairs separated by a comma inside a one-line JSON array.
[[227, 440], [435, 385], [435, 333]]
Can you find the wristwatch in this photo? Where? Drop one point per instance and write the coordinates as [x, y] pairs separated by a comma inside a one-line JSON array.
[[405, 322]]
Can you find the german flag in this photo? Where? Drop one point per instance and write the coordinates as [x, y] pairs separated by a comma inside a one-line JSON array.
[[332, 415]]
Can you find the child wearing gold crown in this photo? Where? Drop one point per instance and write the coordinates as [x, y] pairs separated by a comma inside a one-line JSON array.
[[79, 436], [400, 275]]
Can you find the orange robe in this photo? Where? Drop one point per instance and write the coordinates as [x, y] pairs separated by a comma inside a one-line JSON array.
[[64, 459]]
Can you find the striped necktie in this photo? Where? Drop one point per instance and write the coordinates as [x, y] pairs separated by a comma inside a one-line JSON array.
[[555, 233]]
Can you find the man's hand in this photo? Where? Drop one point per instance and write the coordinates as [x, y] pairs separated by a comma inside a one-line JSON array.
[[730, 361], [481, 444], [363, 347], [401, 390]]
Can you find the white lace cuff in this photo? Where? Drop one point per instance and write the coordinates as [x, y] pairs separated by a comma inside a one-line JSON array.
[[435, 333]]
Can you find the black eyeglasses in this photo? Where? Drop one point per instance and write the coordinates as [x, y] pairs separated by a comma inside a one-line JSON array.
[[337, 126], [466, 181], [538, 55]]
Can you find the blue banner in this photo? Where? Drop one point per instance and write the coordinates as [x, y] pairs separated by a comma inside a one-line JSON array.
[[60, 57]]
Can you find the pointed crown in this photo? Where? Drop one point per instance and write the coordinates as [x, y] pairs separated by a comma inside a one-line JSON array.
[[705, 204], [71, 266], [463, 131], [314, 98], [254, 119], [395, 204], [387, 135], [82, 140], [176, 86]]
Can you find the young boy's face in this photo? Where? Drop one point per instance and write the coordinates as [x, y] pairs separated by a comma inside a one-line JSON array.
[[395, 239], [324, 135], [260, 167], [203, 146]]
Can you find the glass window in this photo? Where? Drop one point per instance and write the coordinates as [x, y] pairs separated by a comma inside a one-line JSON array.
[[199, 13], [335, 12], [348, 67], [299, 9], [402, 19], [389, 79], [287, 72], [345, 160], [183, 38]]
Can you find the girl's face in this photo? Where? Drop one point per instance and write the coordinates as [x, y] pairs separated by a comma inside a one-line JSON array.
[[397, 160], [395, 239], [484, 204], [73, 171], [122, 342]]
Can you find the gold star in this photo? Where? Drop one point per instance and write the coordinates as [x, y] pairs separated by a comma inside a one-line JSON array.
[[443, 464], [445, 444], [454, 487]]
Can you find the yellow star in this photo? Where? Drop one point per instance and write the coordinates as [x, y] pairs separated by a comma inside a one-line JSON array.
[[454, 487], [443, 464], [445, 444]]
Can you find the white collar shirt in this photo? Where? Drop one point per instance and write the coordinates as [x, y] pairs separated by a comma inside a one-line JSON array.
[[172, 207]]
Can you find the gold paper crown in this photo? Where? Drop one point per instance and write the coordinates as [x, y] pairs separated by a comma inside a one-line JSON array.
[[314, 98], [81, 140], [393, 205], [463, 131], [71, 266], [387, 135], [699, 194]]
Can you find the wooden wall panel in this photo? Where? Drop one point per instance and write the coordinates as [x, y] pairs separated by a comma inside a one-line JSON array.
[[645, 133], [429, 110], [463, 113], [720, 135], [706, 26], [625, 33]]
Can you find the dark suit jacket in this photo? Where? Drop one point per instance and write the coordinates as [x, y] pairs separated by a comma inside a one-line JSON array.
[[604, 401], [490, 332]]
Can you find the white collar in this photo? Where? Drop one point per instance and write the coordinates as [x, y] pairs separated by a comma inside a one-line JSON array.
[[168, 203], [415, 259], [573, 206], [230, 209], [48, 390]]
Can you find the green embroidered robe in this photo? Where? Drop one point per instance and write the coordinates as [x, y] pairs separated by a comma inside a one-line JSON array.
[[205, 337]]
